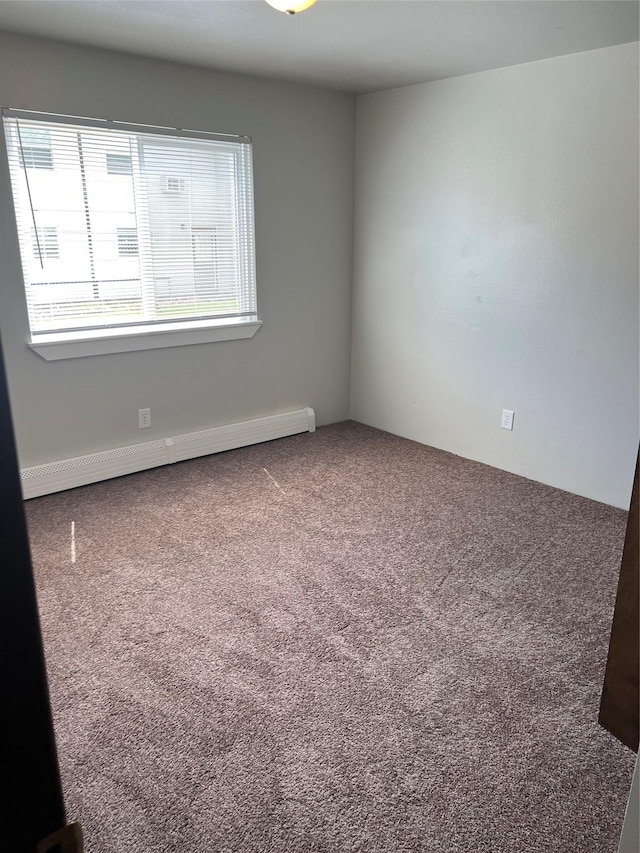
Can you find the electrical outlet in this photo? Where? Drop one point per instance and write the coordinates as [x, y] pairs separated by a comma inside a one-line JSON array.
[[507, 419], [144, 418]]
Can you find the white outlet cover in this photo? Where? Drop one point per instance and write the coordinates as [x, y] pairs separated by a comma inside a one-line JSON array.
[[507, 419]]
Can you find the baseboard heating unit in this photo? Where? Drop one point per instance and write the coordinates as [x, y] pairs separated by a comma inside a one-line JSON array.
[[83, 470]]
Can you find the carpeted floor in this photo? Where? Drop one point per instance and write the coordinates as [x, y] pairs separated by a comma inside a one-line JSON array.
[[335, 642]]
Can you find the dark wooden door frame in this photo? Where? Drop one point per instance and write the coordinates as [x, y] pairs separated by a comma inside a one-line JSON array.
[[34, 802], [620, 702]]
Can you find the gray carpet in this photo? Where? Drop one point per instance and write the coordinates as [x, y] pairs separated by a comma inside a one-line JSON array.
[[335, 642]]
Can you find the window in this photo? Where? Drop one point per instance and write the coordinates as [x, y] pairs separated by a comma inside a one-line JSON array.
[[127, 242], [45, 243], [34, 146], [204, 257], [180, 205], [119, 164]]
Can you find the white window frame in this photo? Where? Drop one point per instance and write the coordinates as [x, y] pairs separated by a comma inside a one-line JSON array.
[[104, 340]]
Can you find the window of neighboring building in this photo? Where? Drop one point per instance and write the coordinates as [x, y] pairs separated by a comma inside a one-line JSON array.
[[34, 148], [119, 164], [45, 243], [180, 204], [127, 242]]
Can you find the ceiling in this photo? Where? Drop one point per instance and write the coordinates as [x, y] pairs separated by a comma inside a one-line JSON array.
[[351, 45]]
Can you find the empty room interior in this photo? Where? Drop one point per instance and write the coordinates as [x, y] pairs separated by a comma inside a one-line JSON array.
[[321, 342]]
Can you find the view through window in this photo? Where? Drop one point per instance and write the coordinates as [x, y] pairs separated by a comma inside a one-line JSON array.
[[121, 226]]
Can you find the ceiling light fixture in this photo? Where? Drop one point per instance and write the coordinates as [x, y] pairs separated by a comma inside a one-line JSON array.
[[290, 7]]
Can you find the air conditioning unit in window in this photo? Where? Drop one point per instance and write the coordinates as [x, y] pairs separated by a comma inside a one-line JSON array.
[[174, 185]]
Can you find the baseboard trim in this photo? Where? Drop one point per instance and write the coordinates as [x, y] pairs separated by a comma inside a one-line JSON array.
[[82, 470]]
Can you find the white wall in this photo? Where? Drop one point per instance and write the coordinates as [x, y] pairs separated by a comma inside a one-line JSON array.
[[303, 166], [496, 266]]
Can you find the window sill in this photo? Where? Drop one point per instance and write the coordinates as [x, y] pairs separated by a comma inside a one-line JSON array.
[[56, 346]]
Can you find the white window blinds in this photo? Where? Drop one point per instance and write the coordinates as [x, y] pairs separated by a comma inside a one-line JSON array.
[[121, 226]]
